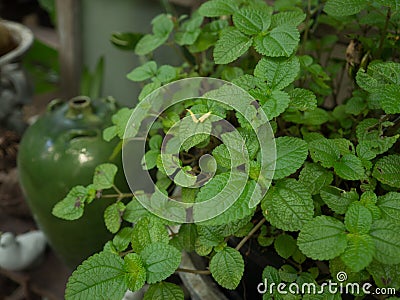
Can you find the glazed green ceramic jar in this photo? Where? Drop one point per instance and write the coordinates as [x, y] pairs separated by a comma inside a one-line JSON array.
[[59, 151]]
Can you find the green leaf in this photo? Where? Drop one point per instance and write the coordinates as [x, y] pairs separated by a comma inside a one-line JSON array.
[[155, 142], [294, 18], [239, 209], [191, 134], [280, 41], [251, 21], [164, 291], [287, 273], [120, 119], [227, 267], [109, 133], [217, 8], [324, 151], [72, 206], [285, 245], [291, 153], [315, 117], [230, 46], [301, 99], [349, 167], [149, 160], [148, 89], [344, 7], [315, 177], [166, 73], [209, 236], [161, 261], [389, 204], [322, 238], [148, 231], [136, 272], [149, 43], [337, 199], [387, 170], [101, 276], [394, 4], [387, 241], [134, 211], [104, 176], [389, 98], [123, 238], [186, 238], [385, 275], [278, 72], [359, 252], [189, 31], [222, 156], [143, 72], [358, 219], [113, 216], [288, 205], [275, 104]]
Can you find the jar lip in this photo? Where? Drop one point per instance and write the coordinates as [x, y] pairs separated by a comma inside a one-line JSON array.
[[79, 102]]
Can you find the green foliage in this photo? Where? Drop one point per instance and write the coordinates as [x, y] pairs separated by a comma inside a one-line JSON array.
[[333, 200]]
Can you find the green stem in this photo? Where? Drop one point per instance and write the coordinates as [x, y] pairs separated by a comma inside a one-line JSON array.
[[122, 195]]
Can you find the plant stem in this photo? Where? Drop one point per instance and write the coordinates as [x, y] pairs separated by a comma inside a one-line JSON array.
[[122, 195], [383, 33], [200, 272], [250, 234]]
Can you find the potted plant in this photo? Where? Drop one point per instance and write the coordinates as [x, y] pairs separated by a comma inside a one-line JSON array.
[[329, 207]]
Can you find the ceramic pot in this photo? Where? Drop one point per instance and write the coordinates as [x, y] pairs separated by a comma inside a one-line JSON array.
[[59, 151]]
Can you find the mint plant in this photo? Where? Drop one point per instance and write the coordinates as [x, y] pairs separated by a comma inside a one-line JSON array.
[[334, 203]]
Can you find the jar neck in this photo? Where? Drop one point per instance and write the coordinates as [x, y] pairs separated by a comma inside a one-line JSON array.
[[79, 107]]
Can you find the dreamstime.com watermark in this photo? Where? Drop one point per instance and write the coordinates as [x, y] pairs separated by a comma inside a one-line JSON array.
[[326, 287]]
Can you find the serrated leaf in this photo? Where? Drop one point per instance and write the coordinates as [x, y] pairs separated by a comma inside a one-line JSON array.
[[278, 72], [143, 72], [385, 275], [136, 272], [275, 104], [113, 216], [189, 31], [389, 98], [187, 237], [192, 134], [315, 117], [239, 209], [104, 176], [389, 204], [148, 231], [161, 261], [344, 7], [358, 219], [387, 241], [302, 99], [322, 238], [209, 236], [287, 273], [155, 142], [148, 89], [349, 167], [101, 276], [222, 156], [120, 119], [230, 46], [72, 206], [291, 153], [166, 73], [164, 291], [359, 252], [134, 211], [217, 8], [123, 238], [149, 160], [288, 17], [227, 267], [285, 245], [251, 21], [394, 4], [280, 41], [324, 151], [387, 170], [288, 205], [315, 177], [337, 199]]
